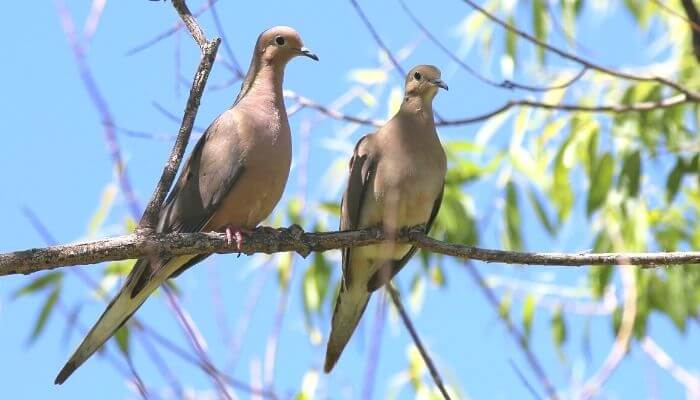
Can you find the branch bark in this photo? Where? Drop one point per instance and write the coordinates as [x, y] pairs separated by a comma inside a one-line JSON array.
[[270, 240], [149, 220]]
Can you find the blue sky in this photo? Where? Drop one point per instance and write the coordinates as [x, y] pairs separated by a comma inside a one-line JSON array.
[[54, 160]]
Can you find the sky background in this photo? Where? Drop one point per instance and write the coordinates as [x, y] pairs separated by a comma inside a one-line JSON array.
[[54, 161]]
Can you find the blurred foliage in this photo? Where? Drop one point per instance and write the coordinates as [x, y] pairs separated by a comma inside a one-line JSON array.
[[633, 178]]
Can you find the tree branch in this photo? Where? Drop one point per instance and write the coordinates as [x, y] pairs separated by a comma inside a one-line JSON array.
[[691, 95], [149, 220], [271, 240], [669, 102], [396, 299]]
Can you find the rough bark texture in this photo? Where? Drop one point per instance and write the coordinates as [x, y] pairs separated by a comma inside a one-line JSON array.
[[270, 240]]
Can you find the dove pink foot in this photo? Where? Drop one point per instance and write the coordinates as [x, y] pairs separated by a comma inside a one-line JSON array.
[[235, 234]]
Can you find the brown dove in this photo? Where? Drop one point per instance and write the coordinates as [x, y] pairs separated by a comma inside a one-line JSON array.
[[396, 180], [232, 180]]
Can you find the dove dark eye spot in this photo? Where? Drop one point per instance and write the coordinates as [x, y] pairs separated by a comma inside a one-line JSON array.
[[279, 40], [417, 76]]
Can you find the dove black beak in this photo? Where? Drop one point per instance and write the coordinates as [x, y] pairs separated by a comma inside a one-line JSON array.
[[439, 83], [308, 53]]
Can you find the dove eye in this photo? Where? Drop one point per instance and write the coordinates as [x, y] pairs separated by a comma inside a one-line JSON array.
[[417, 76], [279, 40]]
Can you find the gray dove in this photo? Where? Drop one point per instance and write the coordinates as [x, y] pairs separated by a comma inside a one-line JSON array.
[[396, 180], [231, 182]]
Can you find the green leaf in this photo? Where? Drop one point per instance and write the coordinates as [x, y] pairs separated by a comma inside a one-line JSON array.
[[558, 327], [122, 338], [417, 293], [315, 283], [673, 182], [437, 276], [541, 212], [294, 208], [332, 208], [512, 215], [511, 41], [45, 312], [676, 302], [504, 306], [600, 183], [100, 215], [528, 315], [120, 268], [599, 277], [630, 175], [540, 27], [39, 283]]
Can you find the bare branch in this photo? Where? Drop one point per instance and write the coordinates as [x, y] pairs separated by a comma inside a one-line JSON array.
[[271, 240], [506, 84], [691, 10], [695, 97], [178, 25], [150, 216], [378, 39], [100, 103], [519, 338], [663, 360], [396, 299], [673, 101], [619, 348]]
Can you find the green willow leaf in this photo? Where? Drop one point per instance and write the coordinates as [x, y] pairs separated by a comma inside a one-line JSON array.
[[39, 283], [45, 312], [512, 216], [673, 182], [528, 315], [558, 327], [631, 172], [504, 306], [541, 212], [539, 14], [601, 182], [122, 337]]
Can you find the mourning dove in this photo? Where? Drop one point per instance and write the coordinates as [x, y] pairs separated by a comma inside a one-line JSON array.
[[396, 180], [232, 180]]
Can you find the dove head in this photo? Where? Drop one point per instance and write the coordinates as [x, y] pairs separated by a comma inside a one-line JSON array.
[[424, 81], [280, 44]]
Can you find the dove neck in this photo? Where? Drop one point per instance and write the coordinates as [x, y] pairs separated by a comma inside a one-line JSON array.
[[418, 107], [264, 82]]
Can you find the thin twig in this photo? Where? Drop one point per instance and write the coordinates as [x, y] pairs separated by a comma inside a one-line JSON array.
[[269, 240], [619, 348], [128, 373], [524, 380], [695, 97], [100, 104], [643, 106], [693, 24], [150, 216], [691, 10], [506, 84], [227, 45], [378, 39], [195, 340], [374, 350], [396, 299], [178, 25], [690, 381], [519, 338]]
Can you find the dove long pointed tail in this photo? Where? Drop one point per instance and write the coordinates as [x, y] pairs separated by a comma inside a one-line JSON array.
[[119, 310], [349, 307], [117, 313]]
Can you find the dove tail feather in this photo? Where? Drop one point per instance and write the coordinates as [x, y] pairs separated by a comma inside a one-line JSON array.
[[119, 310], [349, 307]]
